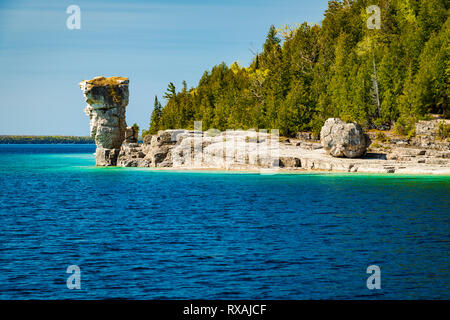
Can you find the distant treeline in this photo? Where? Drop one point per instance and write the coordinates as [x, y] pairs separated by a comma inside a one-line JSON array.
[[45, 140]]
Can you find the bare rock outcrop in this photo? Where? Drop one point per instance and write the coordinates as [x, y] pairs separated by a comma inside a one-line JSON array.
[[307, 136], [107, 99], [197, 149], [429, 128], [247, 150], [427, 135], [132, 155], [131, 135], [158, 148], [340, 139]]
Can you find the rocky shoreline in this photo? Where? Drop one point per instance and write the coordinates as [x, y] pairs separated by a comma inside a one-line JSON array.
[[343, 147], [164, 150]]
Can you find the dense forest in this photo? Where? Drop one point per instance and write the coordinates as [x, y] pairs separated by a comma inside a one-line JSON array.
[[381, 78], [45, 140]]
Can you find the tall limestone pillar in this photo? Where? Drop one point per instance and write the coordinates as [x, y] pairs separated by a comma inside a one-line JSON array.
[[106, 99]]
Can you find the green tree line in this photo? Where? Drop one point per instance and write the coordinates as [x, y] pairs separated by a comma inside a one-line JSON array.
[[392, 76]]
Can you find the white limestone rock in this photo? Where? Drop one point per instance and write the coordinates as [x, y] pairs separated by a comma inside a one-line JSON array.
[[341, 139], [107, 99]]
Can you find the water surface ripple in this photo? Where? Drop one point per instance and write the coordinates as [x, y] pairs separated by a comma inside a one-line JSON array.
[[149, 234]]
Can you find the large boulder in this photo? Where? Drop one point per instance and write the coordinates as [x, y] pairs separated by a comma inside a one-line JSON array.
[[341, 139], [107, 99]]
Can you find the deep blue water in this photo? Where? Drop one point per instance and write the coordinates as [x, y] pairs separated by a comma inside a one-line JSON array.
[[150, 234]]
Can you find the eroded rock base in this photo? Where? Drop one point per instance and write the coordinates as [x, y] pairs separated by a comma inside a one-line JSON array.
[[106, 157]]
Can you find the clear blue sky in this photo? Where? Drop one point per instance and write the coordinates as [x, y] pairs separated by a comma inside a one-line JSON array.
[[151, 42]]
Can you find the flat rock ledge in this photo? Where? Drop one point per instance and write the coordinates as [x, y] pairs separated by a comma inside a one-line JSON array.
[[251, 151]]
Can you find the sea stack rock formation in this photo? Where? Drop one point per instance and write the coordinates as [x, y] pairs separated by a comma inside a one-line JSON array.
[[107, 99], [341, 139]]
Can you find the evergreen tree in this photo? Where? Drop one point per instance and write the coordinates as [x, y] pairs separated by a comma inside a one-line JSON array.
[[432, 82], [135, 128], [171, 91], [272, 41], [396, 74], [155, 121]]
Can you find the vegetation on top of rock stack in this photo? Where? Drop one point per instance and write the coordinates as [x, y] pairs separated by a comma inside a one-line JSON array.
[[340, 69], [103, 82], [111, 82]]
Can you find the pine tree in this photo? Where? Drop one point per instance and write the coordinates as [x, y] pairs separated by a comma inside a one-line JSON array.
[[408, 104], [155, 121], [432, 83], [171, 91], [135, 127], [338, 69], [272, 41]]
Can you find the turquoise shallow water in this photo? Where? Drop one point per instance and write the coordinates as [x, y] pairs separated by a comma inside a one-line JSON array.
[[149, 234]]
